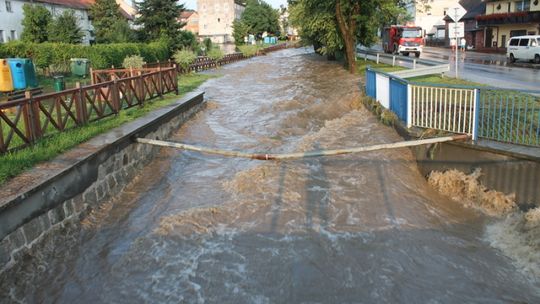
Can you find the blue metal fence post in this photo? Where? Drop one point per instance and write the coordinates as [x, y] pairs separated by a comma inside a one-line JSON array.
[[476, 120]]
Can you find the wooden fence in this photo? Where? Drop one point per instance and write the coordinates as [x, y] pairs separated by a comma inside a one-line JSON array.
[[24, 121]]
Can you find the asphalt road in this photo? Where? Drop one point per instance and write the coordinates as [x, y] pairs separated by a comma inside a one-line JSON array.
[[489, 69]]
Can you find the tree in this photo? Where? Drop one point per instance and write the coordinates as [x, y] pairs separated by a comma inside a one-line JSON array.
[[240, 30], [109, 24], [160, 17], [338, 25], [260, 17], [35, 22], [64, 28]]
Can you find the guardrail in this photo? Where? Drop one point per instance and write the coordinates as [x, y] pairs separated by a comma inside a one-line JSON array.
[[24, 121], [497, 114]]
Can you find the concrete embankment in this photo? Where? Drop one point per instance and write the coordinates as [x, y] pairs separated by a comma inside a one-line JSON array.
[[61, 192]]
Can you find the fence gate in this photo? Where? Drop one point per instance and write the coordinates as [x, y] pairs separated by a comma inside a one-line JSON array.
[[443, 108]]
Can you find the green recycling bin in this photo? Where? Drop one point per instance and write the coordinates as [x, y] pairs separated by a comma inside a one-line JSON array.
[[59, 83], [80, 67], [29, 73]]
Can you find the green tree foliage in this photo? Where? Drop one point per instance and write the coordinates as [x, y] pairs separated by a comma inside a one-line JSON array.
[[109, 24], [338, 25], [158, 18], [240, 30], [260, 17], [35, 22], [184, 58], [64, 28]]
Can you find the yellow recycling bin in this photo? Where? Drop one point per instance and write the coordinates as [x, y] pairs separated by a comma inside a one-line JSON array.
[[6, 83]]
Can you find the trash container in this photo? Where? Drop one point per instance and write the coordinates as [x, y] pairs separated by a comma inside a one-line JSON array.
[[17, 73], [29, 73], [273, 40], [266, 40], [6, 82], [80, 66], [59, 83]]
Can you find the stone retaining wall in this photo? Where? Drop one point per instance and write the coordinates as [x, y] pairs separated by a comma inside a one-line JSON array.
[[85, 176]]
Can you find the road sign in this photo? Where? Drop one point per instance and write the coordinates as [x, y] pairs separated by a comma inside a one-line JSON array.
[[456, 30], [456, 12]]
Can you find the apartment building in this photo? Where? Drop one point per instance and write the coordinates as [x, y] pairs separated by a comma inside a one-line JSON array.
[[216, 19], [429, 15], [191, 19], [505, 19]]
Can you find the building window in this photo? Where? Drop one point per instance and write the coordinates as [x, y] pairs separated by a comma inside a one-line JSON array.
[[8, 6], [523, 6], [218, 20], [13, 35], [2, 36]]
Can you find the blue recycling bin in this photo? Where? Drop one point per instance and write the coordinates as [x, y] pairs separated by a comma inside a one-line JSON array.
[[17, 73], [273, 40], [267, 40]]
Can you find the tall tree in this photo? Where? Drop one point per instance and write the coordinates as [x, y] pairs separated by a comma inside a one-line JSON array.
[[109, 24], [334, 25], [240, 30], [160, 17], [35, 22], [65, 28], [260, 17]]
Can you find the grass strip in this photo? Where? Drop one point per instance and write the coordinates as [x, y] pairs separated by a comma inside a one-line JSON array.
[[14, 163]]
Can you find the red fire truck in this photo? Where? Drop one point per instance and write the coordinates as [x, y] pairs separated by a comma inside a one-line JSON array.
[[403, 40]]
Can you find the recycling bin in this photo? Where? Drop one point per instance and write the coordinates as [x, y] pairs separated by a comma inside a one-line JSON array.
[[80, 67], [59, 83], [6, 82], [266, 40], [29, 73], [17, 73]]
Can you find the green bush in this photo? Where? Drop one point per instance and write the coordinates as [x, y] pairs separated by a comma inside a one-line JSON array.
[[248, 50], [184, 58], [133, 62], [101, 55], [215, 53]]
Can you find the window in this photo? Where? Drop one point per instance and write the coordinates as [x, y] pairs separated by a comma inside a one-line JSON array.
[[514, 42], [533, 42], [524, 42], [218, 20], [537, 41], [2, 36], [522, 6], [8, 6], [515, 33]]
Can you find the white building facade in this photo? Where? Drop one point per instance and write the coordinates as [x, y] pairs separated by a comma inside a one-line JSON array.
[[429, 15], [11, 15], [216, 19]]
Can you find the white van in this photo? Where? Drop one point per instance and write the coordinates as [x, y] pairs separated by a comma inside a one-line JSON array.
[[524, 48]]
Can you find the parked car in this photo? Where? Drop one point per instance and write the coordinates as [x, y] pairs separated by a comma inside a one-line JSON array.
[[524, 48]]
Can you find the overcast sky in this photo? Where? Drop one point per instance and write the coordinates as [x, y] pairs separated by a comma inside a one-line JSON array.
[[192, 4]]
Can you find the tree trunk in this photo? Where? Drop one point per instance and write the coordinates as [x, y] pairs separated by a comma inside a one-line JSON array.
[[347, 27]]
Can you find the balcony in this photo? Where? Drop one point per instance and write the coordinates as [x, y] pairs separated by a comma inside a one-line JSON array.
[[508, 18]]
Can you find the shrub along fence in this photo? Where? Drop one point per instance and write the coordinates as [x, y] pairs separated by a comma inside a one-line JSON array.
[[24, 121], [511, 116]]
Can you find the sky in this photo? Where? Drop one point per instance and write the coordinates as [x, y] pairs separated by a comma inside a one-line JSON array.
[[192, 4]]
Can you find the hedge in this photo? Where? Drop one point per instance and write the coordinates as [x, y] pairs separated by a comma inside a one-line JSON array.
[[101, 55]]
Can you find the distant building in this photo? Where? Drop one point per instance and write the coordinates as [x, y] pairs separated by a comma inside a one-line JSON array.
[[11, 15], [429, 14], [216, 19], [474, 34], [505, 19], [191, 19]]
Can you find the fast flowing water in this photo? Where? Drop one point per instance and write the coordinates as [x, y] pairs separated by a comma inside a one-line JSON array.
[[194, 228]]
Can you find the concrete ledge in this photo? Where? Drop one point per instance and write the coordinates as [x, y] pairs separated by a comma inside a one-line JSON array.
[[65, 188]]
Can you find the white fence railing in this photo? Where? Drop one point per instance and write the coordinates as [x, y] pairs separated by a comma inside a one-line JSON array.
[[448, 109]]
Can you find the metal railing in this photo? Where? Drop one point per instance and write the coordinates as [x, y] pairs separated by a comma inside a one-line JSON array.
[[503, 115]]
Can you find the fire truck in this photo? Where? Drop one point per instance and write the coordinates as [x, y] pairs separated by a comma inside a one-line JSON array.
[[401, 39]]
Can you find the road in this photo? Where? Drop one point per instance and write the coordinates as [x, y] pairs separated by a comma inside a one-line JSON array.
[[489, 69]]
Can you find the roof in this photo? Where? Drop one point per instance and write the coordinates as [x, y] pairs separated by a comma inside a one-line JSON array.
[[186, 14], [80, 4]]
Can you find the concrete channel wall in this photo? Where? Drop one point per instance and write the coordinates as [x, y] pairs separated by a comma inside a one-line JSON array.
[[50, 197]]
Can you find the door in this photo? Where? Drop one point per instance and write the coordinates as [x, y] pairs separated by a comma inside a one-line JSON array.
[[489, 37], [523, 49], [503, 41]]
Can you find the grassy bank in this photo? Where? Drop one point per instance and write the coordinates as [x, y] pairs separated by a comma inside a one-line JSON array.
[[12, 164]]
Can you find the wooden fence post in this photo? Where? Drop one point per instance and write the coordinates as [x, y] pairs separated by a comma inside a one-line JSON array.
[[160, 82], [175, 79], [31, 117], [115, 94], [142, 93], [80, 105], [92, 76]]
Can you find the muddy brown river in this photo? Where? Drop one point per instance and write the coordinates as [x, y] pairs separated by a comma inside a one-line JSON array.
[[194, 228]]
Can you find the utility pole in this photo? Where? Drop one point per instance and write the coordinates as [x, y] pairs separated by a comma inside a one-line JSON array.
[[456, 19]]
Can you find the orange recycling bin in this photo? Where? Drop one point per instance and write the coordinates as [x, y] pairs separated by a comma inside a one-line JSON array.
[[6, 83]]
